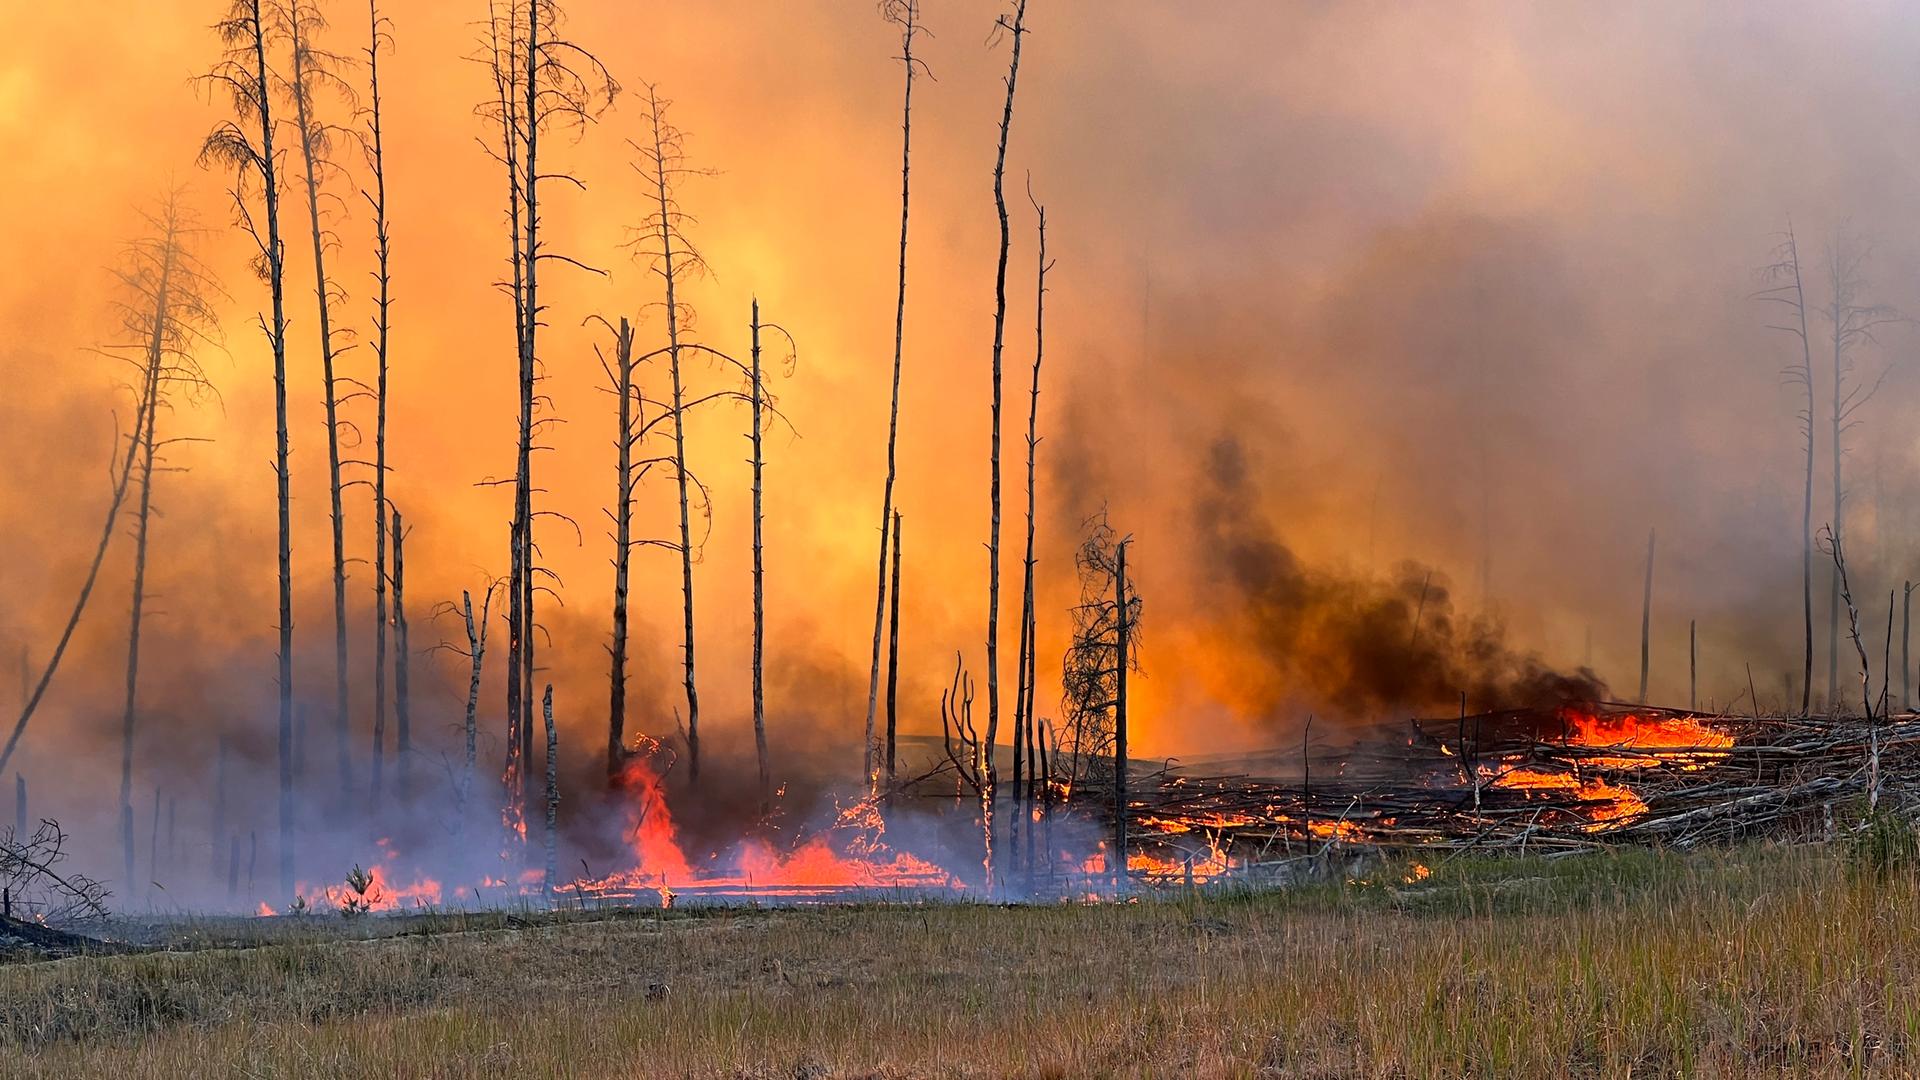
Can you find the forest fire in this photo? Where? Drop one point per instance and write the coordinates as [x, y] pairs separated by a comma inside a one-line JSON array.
[[850, 854]]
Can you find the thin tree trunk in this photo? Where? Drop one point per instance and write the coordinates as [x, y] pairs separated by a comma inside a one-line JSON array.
[[1121, 630], [622, 549], [759, 584], [143, 448], [679, 448], [507, 82], [1906, 662], [219, 828], [1693, 666], [1023, 719], [530, 189], [401, 655], [302, 22], [276, 276], [999, 340], [1806, 505], [376, 158], [1646, 619], [476, 653], [552, 877], [1840, 303], [909, 16], [893, 658]]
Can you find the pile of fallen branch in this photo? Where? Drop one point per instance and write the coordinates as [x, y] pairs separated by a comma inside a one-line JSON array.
[[1525, 780]]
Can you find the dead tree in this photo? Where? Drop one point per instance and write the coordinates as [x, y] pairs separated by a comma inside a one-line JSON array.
[[757, 391], [1906, 661], [403, 745], [662, 241], [620, 372], [1853, 321], [246, 32], [378, 40], [1016, 27], [1787, 290], [167, 305], [906, 15], [543, 84], [1122, 607], [552, 878], [893, 658], [1831, 543], [313, 70], [36, 887], [1023, 750], [475, 652], [1646, 619]]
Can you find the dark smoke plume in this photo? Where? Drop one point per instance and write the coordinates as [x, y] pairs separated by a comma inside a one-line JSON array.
[[1350, 646]]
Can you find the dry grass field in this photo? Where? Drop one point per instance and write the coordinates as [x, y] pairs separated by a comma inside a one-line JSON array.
[[1757, 962]]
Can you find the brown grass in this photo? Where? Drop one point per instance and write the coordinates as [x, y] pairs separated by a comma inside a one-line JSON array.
[[1760, 962]]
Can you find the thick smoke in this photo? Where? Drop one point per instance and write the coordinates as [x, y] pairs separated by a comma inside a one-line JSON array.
[[1351, 646]]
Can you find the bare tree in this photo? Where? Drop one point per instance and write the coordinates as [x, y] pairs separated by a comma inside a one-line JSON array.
[[757, 391], [893, 657], [662, 241], [620, 373], [1090, 675], [552, 878], [167, 304], [543, 83], [243, 73], [1016, 26], [906, 15], [379, 39], [1646, 619], [1831, 543], [1023, 751], [1853, 321], [1786, 289], [313, 70], [36, 886], [475, 652], [401, 655]]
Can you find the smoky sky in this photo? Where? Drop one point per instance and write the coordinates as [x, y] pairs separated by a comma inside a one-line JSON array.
[[1342, 294]]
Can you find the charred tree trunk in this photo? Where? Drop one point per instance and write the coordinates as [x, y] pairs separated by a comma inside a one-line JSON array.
[[1121, 661], [667, 215], [1023, 719], [245, 74], [309, 66], [552, 877], [907, 14], [759, 579], [1646, 619], [401, 656], [1017, 28], [624, 480], [476, 656], [143, 449], [893, 659], [382, 249]]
